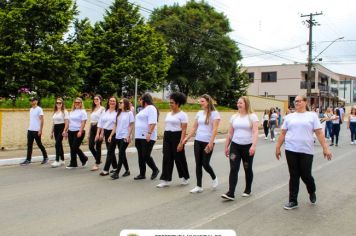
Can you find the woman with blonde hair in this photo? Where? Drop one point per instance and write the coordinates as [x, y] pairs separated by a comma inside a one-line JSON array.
[[206, 127], [240, 146]]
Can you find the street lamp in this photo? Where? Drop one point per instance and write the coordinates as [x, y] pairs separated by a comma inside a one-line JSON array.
[[332, 42]]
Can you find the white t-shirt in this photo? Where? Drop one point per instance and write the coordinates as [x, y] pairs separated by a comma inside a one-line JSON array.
[[243, 128], [204, 131], [144, 118], [274, 117], [265, 117], [59, 117], [174, 121], [107, 120], [300, 129], [95, 115], [123, 124], [35, 122], [75, 119], [337, 121], [352, 118]]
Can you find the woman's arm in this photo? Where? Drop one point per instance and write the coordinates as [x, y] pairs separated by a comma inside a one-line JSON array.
[[280, 141], [192, 132], [321, 138], [254, 138], [229, 135]]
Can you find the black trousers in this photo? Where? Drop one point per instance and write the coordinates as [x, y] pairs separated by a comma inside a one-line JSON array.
[[58, 137], [300, 166], [240, 153], [265, 127], [144, 150], [170, 155], [335, 133], [33, 136], [202, 160], [74, 144], [122, 146], [95, 146], [110, 156]]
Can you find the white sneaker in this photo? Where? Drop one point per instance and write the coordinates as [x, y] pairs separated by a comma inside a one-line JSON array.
[[215, 182], [352, 143], [197, 189], [56, 164], [266, 138], [185, 181], [273, 140], [62, 163], [163, 184], [245, 195]]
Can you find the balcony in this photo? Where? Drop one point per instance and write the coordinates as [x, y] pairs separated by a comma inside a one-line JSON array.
[[334, 91], [303, 85], [323, 87]]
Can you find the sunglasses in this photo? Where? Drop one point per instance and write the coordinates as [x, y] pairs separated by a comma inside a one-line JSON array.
[[77, 102], [58, 102]]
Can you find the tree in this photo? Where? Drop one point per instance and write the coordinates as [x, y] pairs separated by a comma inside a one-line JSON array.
[[205, 57]]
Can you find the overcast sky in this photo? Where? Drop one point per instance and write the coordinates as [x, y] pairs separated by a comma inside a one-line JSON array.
[[275, 26]]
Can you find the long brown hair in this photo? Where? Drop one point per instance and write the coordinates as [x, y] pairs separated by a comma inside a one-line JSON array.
[[211, 107], [108, 103], [55, 105], [126, 103], [247, 104], [93, 103]]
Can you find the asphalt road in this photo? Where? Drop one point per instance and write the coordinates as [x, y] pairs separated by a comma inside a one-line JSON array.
[[39, 200]]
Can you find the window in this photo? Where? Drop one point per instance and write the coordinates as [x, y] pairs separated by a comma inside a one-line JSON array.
[[269, 76], [251, 77]]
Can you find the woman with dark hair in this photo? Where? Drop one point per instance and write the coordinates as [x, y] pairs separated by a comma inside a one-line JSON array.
[[273, 123], [173, 148], [95, 145], [146, 136], [265, 119], [352, 125], [123, 129], [105, 125], [206, 127], [336, 118]]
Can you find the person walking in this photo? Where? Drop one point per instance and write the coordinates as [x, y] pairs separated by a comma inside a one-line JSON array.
[[34, 132], [240, 146], [265, 119], [297, 133], [352, 125], [76, 133], [146, 136], [105, 126], [336, 121], [95, 145], [273, 123], [176, 123], [60, 124], [206, 127], [123, 131], [328, 122]]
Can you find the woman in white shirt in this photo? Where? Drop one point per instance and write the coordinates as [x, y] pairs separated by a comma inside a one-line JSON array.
[[352, 125], [206, 127], [240, 146], [297, 132], [95, 145], [173, 148], [60, 124], [105, 126], [265, 119], [77, 119], [335, 119], [273, 123], [146, 136], [123, 131]]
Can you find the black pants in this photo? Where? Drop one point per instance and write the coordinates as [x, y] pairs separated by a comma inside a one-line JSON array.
[[202, 160], [144, 150], [31, 136], [74, 144], [170, 155], [265, 127], [353, 131], [122, 146], [240, 153], [95, 146], [300, 166], [335, 133], [58, 137], [110, 156]]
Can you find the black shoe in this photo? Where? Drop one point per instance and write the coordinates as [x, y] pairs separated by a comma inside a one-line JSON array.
[[85, 163], [71, 167], [127, 173], [331, 144], [139, 177], [25, 162], [154, 174], [290, 205], [312, 198], [115, 175], [45, 161], [104, 173], [228, 196], [112, 171]]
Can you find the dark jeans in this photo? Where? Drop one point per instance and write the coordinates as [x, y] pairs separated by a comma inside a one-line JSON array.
[[272, 125], [335, 133], [31, 136], [328, 129], [95, 146], [58, 137], [170, 155], [300, 166], [121, 145], [74, 144], [202, 160], [144, 150], [353, 131], [240, 153], [110, 147], [265, 127]]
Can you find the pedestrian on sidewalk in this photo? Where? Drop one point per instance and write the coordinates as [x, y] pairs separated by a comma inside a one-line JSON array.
[[60, 124], [336, 121], [206, 127], [352, 125], [146, 135], [328, 122], [240, 146], [265, 119], [273, 123], [95, 145], [76, 133], [105, 126], [122, 131], [176, 123], [34, 132], [297, 133]]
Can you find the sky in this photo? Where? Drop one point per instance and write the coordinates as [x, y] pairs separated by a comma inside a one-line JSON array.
[[272, 32]]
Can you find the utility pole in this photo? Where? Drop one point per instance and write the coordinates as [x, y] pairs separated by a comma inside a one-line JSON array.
[[311, 22]]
